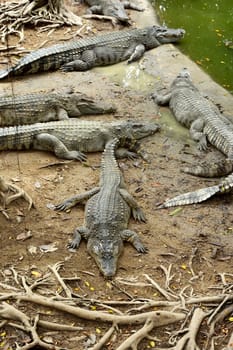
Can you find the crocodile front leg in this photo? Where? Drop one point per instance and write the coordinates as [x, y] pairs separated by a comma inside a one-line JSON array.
[[132, 237], [135, 52], [196, 132], [78, 199], [47, 142], [95, 9], [62, 114], [161, 99], [79, 233], [136, 210], [132, 6]]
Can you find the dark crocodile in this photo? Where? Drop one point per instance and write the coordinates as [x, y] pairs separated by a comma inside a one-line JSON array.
[[107, 214], [98, 50], [226, 185], [202, 117], [69, 138], [43, 107], [112, 8]]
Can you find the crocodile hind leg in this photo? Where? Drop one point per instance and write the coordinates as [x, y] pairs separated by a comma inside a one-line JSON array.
[[47, 142], [86, 61], [136, 210], [78, 199], [196, 132], [132, 237]]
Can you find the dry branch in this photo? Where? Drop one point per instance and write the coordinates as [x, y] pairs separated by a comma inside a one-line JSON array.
[[7, 187]]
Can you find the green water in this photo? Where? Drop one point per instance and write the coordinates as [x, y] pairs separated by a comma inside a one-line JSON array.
[[208, 24]]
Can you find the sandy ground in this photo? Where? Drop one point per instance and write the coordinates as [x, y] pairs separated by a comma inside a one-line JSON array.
[[170, 236]]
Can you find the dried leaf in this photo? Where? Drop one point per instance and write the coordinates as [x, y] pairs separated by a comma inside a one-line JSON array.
[[176, 211]]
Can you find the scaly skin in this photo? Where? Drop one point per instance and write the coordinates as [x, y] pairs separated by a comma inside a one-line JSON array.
[[203, 118], [43, 107], [107, 214], [69, 138], [226, 185], [112, 8], [98, 50]]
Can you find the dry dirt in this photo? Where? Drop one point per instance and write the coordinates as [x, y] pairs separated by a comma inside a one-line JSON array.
[[170, 236]]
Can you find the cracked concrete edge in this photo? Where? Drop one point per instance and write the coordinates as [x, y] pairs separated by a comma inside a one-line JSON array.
[[166, 61]]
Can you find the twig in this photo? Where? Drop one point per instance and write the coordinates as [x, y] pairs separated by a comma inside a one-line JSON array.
[[194, 251], [55, 268], [104, 339], [167, 295], [169, 277]]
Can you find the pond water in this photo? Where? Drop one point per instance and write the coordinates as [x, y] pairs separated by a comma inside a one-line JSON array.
[[209, 28]]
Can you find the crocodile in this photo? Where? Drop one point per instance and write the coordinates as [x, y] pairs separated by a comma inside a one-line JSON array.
[[69, 138], [98, 50], [107, 214], [112, 8], [42, 107], [201, 116], [225, 186]]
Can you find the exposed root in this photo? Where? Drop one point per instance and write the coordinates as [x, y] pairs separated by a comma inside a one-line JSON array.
[[183, 337], [7, 187], [104, 339], [10, 312], [133, 341], [51, 13]]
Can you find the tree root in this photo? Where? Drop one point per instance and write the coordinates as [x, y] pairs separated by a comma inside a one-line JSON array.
[[183, 338], [162, 317], [133, 341], [10, 312], [15, 15], [188, 341], [6, 187]]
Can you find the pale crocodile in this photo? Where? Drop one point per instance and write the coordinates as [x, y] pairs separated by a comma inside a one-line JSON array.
[[112, 8], [202, 117], [98, 50], [226, 185], [107, 214], [42, 107], [69, 138]]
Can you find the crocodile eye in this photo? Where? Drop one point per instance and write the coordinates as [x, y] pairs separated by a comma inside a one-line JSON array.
[[136, 126]]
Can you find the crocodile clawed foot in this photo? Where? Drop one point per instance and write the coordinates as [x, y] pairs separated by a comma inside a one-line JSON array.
[[141, 248], [138, 215], [131, 155], [78, 156], [72, 246], [61, 207], [67, 68]]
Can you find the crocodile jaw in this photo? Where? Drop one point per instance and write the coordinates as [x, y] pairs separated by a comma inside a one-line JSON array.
[[105, 253], [168, 35]]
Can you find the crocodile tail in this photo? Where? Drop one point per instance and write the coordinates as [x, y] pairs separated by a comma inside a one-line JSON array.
[[226, 184], [191, 197], [216, 169], [4, 73], [111, 145]]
